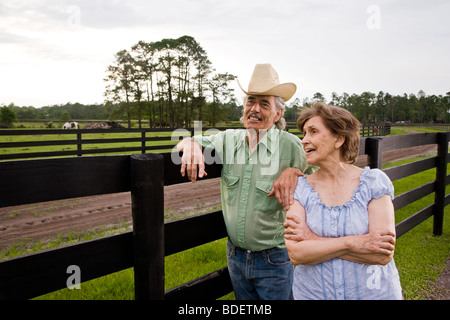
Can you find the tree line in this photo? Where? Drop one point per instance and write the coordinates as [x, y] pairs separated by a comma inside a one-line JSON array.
[[369, 107], [169, 82], [61, 113]]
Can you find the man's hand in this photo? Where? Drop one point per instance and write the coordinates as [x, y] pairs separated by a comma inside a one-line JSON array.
[[192, 160], [284, 187]]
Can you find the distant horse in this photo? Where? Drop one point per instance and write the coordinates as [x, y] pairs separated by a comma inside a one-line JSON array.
[[69, 125]]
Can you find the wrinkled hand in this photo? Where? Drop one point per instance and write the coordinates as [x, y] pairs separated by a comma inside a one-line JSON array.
[[295, 229], [379, 242], [192, 161], [284, 187]]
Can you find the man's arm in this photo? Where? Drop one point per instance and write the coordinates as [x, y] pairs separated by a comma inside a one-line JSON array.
[[284, 187], [192, 161]]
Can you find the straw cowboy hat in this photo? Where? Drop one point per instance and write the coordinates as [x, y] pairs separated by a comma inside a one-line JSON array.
[[265, 82]]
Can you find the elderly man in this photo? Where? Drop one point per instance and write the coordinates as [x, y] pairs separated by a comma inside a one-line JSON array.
[[253, 159]]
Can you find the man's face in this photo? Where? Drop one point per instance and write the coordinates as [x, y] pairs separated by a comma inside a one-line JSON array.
[[260, 112]]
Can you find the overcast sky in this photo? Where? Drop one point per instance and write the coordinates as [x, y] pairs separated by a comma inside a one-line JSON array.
[[53, 52]]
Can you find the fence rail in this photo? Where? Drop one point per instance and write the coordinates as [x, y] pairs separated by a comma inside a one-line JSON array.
[[151, 240], [435, 126], [79, 140]]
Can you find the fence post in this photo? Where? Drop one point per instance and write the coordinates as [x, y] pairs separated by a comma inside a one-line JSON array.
[[374, 151], [143, 141], [147, 196], [441, 176], [79, 145]]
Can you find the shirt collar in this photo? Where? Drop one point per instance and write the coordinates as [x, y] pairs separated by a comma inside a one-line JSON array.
[[267, 138], [266, 141]]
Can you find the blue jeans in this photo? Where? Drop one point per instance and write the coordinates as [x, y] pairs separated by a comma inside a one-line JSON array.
[[260, 275]]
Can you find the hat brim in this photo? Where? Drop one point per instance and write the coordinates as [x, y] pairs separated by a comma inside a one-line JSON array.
[[284, 90]]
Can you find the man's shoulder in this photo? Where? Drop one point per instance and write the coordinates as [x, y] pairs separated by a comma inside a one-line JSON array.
[[216, 138], [234, 131], [290, 138]]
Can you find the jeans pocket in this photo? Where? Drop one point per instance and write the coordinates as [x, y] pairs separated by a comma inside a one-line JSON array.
[[277, 257], [231, 249]]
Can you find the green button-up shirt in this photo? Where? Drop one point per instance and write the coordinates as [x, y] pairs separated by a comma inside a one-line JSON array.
[[253, 220]]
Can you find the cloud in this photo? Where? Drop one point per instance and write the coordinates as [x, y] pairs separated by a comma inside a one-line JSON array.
[[322, 45], [7, 37]]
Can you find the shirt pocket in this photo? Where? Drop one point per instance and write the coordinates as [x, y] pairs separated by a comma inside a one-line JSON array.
[[264, 203], [230, 188]]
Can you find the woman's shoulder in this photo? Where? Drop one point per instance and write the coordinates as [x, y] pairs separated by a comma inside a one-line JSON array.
[[377, 182], [301, 182], [303, 190], [374, 174]]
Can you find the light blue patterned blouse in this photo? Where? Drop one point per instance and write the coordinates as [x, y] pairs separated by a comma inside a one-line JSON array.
[[338, 279]]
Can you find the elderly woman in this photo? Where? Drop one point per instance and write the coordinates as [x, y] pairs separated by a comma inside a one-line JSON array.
[[340, 231]]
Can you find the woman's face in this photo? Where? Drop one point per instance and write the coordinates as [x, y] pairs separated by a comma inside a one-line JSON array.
[[319, 143]]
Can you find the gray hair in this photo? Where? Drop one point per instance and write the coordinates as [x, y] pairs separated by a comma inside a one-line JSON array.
[[280, 104]]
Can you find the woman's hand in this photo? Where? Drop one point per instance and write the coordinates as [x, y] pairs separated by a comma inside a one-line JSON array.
[[297, 230], [375, 242], [375, 247]]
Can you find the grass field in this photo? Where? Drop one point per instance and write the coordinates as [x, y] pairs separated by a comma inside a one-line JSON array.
[[420, 257]]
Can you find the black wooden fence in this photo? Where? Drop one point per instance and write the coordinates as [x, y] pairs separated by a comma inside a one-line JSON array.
[[435, 126], [78, 144], [151, 240]]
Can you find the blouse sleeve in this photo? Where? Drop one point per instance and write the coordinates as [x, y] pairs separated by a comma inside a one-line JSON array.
[[301, 192], [379, 184]]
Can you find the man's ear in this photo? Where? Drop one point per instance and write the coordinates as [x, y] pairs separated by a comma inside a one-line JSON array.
[[278, 115]]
